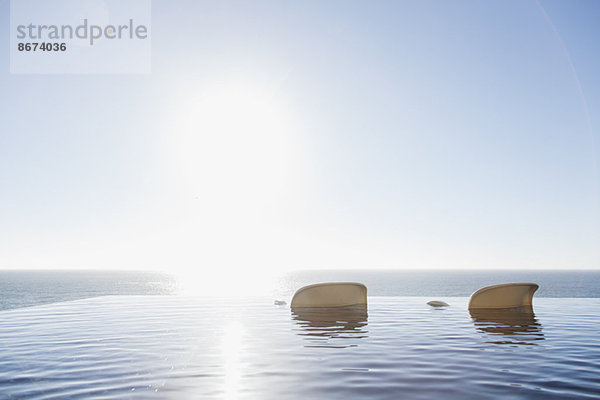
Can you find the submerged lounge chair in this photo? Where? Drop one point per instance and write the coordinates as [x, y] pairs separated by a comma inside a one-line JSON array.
[[508, 295], [333, 294]]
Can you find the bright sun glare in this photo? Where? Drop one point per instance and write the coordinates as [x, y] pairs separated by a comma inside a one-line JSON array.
[[232, 153]]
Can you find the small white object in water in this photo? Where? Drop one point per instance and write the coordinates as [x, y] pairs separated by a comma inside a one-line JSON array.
[[279, 302], [437, 303]]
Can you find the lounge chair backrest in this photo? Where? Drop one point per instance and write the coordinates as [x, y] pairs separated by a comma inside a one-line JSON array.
[[333, 294], [508, 295]]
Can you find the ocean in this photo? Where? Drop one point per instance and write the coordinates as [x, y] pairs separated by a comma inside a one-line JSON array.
[[30, 288], [133, 335]]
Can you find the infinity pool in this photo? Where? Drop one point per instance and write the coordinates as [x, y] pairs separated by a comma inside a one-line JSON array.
[[169, 347]]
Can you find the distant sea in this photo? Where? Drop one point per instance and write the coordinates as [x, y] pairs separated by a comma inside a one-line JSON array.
[[29, 288]]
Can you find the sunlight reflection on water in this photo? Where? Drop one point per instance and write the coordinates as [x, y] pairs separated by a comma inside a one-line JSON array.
[[231, 347]]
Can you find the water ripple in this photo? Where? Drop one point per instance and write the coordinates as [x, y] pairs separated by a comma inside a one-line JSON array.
[[137, 347]]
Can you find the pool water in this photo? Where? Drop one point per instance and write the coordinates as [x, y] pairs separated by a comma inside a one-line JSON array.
[[172, 347]]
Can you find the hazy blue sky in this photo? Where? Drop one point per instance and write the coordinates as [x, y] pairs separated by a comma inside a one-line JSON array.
[[277, 135]]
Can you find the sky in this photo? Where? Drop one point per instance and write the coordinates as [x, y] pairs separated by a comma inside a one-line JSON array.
[[273, 136]]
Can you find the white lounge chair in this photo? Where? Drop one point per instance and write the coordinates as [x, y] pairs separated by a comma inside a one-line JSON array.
[[333, 294], [508, 295]]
